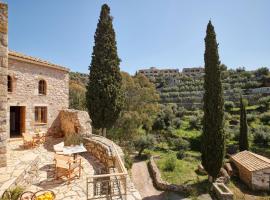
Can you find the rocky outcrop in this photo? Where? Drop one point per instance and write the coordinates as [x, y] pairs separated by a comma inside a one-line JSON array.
[[163, 185], [71, 121]]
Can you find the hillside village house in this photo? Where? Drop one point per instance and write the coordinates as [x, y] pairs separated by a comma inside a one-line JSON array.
[[32, 91], [37, 90]]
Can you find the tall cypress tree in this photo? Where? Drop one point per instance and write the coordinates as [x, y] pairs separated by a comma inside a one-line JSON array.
[[104, 95], [243, 139], [213, 133]]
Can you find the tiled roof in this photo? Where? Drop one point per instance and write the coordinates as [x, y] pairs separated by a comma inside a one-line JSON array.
[[20, 56], [251, 161]]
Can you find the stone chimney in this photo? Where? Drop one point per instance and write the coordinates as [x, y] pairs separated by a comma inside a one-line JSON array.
[[3, 81]]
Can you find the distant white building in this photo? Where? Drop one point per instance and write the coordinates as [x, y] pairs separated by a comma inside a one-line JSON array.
[[193, 71], [153, 72]]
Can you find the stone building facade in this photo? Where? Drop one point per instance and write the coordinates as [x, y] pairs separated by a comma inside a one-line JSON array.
[[37, 91], [32, 91]]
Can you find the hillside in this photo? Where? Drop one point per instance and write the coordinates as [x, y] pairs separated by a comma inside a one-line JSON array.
[[188, 91]]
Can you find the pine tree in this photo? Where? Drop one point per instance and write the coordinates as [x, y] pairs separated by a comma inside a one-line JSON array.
[[213, 123], [104, 95], [243, 139]]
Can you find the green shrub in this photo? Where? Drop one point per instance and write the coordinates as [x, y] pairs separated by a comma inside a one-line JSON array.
[[265, 118], [251, 118], [179, 144], [128, 160], [194, 123], [143, 142], [229, 105], [170, 163], [262, 136], [12, 194], [177, 122], [73, 139]]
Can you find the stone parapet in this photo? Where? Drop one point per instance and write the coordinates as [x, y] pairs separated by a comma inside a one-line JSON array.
[[3, 81]]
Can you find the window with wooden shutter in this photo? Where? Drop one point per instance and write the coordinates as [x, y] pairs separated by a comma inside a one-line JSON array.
[[41, 115], [42, 87]]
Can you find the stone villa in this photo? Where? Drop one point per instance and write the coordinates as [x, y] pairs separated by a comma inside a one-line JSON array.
[[32, 91]]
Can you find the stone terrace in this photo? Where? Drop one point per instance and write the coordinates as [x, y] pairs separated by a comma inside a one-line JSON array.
[[34, 169]]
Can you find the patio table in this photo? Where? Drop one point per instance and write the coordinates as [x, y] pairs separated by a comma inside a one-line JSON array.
[[75, 150]]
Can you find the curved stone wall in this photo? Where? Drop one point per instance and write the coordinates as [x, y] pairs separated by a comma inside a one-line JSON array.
[[161, 184]]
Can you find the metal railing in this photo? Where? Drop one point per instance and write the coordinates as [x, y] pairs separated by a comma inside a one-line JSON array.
[[111, 185]]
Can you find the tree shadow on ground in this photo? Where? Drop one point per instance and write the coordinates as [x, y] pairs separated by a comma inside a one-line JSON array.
[[165, 196], [50, 182]]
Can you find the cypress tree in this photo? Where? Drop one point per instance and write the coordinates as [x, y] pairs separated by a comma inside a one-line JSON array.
[[243, 138], [213, 124], [104, 95]]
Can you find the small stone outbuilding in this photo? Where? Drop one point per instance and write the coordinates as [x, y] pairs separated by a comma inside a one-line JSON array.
[[253, 169]]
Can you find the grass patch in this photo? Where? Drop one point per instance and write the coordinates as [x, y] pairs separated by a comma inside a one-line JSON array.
[[184, 171]]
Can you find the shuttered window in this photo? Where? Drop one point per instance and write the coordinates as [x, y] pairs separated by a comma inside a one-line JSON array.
[[41, 115]]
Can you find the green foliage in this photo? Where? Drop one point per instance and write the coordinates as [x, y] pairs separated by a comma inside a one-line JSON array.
[[104, 90], [229, 105], [176, 122], [139, 110], [73, 139], [265, 102], [263, 71], [143, 142], [213, 134], [170, 163], [243, 137], [77, 98], [12, 194], [128, 160], [194, 123], [265, 118], [261, 135]]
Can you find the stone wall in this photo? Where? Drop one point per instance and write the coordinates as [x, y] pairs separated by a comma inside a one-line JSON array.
[[101, 150], [25, 78], [261, 180], [71, 121], [3, 81], [161, 184]]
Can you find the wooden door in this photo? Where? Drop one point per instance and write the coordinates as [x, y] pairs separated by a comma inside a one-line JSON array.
[[22, 119]]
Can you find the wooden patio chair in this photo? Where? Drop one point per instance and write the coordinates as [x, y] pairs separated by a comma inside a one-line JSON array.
[[67, 166]]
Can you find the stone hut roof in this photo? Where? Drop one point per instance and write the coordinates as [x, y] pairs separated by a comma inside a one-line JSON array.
[[30, 59], [251, 161]]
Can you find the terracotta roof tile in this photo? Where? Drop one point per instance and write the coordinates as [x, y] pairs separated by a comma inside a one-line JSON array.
[[251, 161], [20, 56]]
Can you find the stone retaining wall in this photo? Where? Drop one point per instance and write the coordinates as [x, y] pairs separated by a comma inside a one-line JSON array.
[[101, 151], [161, 184]]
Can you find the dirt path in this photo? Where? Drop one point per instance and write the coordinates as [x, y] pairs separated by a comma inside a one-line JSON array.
[[143, 182]]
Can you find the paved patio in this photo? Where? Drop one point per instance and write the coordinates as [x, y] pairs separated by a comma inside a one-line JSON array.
[[34, 168], [19, 158]]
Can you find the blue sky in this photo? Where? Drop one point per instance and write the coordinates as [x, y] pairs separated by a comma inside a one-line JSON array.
[[161, 33]]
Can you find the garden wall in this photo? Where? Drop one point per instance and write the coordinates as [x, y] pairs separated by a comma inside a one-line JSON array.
[[161, 184]]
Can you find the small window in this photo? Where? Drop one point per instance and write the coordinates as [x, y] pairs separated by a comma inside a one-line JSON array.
[[41, 115], [9, 84], [42, 87]]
